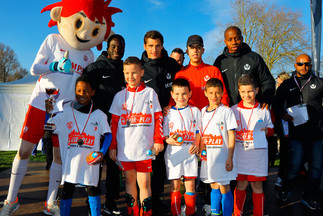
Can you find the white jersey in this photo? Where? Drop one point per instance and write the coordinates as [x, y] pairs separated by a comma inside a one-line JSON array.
[[53, 49], [214, 131], [74, 166], [250, 160], [186, 122], [136, 138]]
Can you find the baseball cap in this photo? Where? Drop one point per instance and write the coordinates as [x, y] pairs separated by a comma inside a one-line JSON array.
[[194, 39]]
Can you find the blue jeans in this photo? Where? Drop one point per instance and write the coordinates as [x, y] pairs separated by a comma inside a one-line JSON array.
[[314, 152]]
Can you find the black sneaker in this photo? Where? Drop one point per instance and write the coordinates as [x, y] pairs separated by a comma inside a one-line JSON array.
[[283, 195], [111, 210], [310, 203]]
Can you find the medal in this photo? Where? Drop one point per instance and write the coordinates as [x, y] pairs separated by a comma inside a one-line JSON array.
[[80, 142], [128, 122]]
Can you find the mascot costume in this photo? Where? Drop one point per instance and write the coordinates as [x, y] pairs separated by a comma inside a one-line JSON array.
[[82, 24]]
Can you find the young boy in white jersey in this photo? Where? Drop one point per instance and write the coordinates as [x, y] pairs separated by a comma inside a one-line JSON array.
[[218, 135], [136, 127], [79, 128], [182, 121], [251, 155]]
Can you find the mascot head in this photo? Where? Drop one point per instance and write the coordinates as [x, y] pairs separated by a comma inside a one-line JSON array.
[[82, 23]]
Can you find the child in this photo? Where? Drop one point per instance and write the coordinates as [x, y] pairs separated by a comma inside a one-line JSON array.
[[252, 157], [136, 128], [79, 128], [183, 120], [217, 131]]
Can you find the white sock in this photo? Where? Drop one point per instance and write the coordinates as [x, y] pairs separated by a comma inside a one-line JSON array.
[[18, 171], [55, 177]]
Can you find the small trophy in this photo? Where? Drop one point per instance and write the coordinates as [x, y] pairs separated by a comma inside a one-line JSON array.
[[53, 94]]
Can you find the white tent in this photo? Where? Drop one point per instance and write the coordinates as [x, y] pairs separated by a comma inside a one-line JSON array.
[[14, 98]]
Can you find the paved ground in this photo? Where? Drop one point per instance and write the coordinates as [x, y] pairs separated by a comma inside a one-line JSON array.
[[33, 192]]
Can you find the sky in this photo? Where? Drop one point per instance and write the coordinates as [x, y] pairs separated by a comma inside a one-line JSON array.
[[23, 27]]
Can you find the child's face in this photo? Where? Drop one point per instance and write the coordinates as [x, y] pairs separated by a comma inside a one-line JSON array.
[[214, 95], [133, 74], [83, 92], [181, 96], [248, 93]]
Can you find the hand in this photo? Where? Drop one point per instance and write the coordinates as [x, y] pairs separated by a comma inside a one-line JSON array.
[[288, 117], [229, 165], [166, 110], [158, 147], [98, 159], [171, 141], [265, 106], [49, 106], [264, 129], [193, 149], [64, 65], [113, 154]]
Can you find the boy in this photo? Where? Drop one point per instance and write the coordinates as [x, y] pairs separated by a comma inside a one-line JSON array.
[[252, 157], [136, 127], [183, 120], [79, 128], [218, 135]]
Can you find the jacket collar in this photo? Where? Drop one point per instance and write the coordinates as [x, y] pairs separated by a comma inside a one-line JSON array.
[[240, 105], [141, 87]]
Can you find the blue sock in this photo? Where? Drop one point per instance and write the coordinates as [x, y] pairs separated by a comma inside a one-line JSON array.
[[95, 205], [227, 204], [65, 207], [216, 202]]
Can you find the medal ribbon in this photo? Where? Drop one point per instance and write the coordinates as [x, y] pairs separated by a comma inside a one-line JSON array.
[[249, 117], [301, 88], [202, 132], [183, 119], [86, 119], [133, 101]]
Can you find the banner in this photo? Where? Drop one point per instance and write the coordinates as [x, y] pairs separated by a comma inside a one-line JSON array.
[[316, 26]]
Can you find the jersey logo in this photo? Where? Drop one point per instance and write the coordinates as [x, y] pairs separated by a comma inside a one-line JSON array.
[[25, 129], [171, 125], [63, 50], [74, 136], [147, 81], [124, 107], [206, 78], [69, 125], [224, 70], [85, 58], [105, 77], [168, 76], [247, 67], [292, 89], [313, 86]]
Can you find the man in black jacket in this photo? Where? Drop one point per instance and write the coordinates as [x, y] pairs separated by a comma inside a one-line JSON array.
[[304, 90], [159, 74], [107, 70], [238, 59]]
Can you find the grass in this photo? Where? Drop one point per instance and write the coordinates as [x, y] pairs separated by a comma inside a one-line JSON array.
[[6, 158]]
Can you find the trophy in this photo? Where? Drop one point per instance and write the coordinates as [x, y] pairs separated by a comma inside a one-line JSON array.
[[53, 94]]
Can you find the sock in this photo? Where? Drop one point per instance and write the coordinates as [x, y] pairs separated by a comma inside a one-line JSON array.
[[95, 205], [190, 201], [55, 177], [239, 199], [227, 204], [135, 210], [216, 201], [148, 213], [258, 203], [175, 202], [18, 171], [65, 207]]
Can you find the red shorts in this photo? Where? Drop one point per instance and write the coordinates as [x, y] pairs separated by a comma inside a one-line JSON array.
[[141, 166], [189, 177], [250, 178]]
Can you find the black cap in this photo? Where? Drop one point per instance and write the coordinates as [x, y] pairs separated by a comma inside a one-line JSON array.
[[194, 39]]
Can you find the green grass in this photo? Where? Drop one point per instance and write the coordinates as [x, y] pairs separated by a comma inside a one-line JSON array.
[[6, 158]]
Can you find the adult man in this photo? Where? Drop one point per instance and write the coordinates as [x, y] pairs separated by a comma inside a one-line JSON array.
[[178, 55], [304, 91], [198, 73], [108, 72], [238, 59], [159, 74]]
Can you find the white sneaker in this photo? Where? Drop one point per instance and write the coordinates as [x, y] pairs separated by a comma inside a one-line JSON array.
[[52, 209], [207, 210], [183, 208], [9, 208]]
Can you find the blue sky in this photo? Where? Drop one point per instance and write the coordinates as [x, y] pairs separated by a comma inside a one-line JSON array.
[[24, 28]]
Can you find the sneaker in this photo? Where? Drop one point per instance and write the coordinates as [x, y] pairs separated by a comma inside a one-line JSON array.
[[311, 204], [278, 182], [9, 208], [283, 195], [111, 210], [51, 209], [207, 210]]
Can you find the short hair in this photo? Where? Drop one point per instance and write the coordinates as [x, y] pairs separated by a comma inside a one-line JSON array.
[[88, 79], [247, 79], [154, 35], [214, 82], [283, 76], [181, 82], [178, 50], [116, 36], [233, 28], [132, 60]]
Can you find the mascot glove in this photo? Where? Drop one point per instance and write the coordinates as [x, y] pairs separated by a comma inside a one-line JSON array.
[[64, 65]]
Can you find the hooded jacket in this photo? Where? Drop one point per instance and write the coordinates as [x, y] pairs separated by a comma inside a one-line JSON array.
[[233, 65], [159, 75], [108, 74]]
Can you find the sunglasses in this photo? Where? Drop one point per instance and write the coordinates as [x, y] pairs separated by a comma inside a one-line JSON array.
[[307, 64]]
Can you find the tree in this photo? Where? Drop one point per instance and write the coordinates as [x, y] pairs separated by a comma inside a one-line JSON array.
[[276, 33], [9, 66]]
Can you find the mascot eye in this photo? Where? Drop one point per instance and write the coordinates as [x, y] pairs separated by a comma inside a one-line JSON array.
[[78, 23], [95, 32]]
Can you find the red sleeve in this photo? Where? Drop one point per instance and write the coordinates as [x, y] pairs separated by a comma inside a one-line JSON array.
[[114, 128], [225, 98], [158, 135]]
